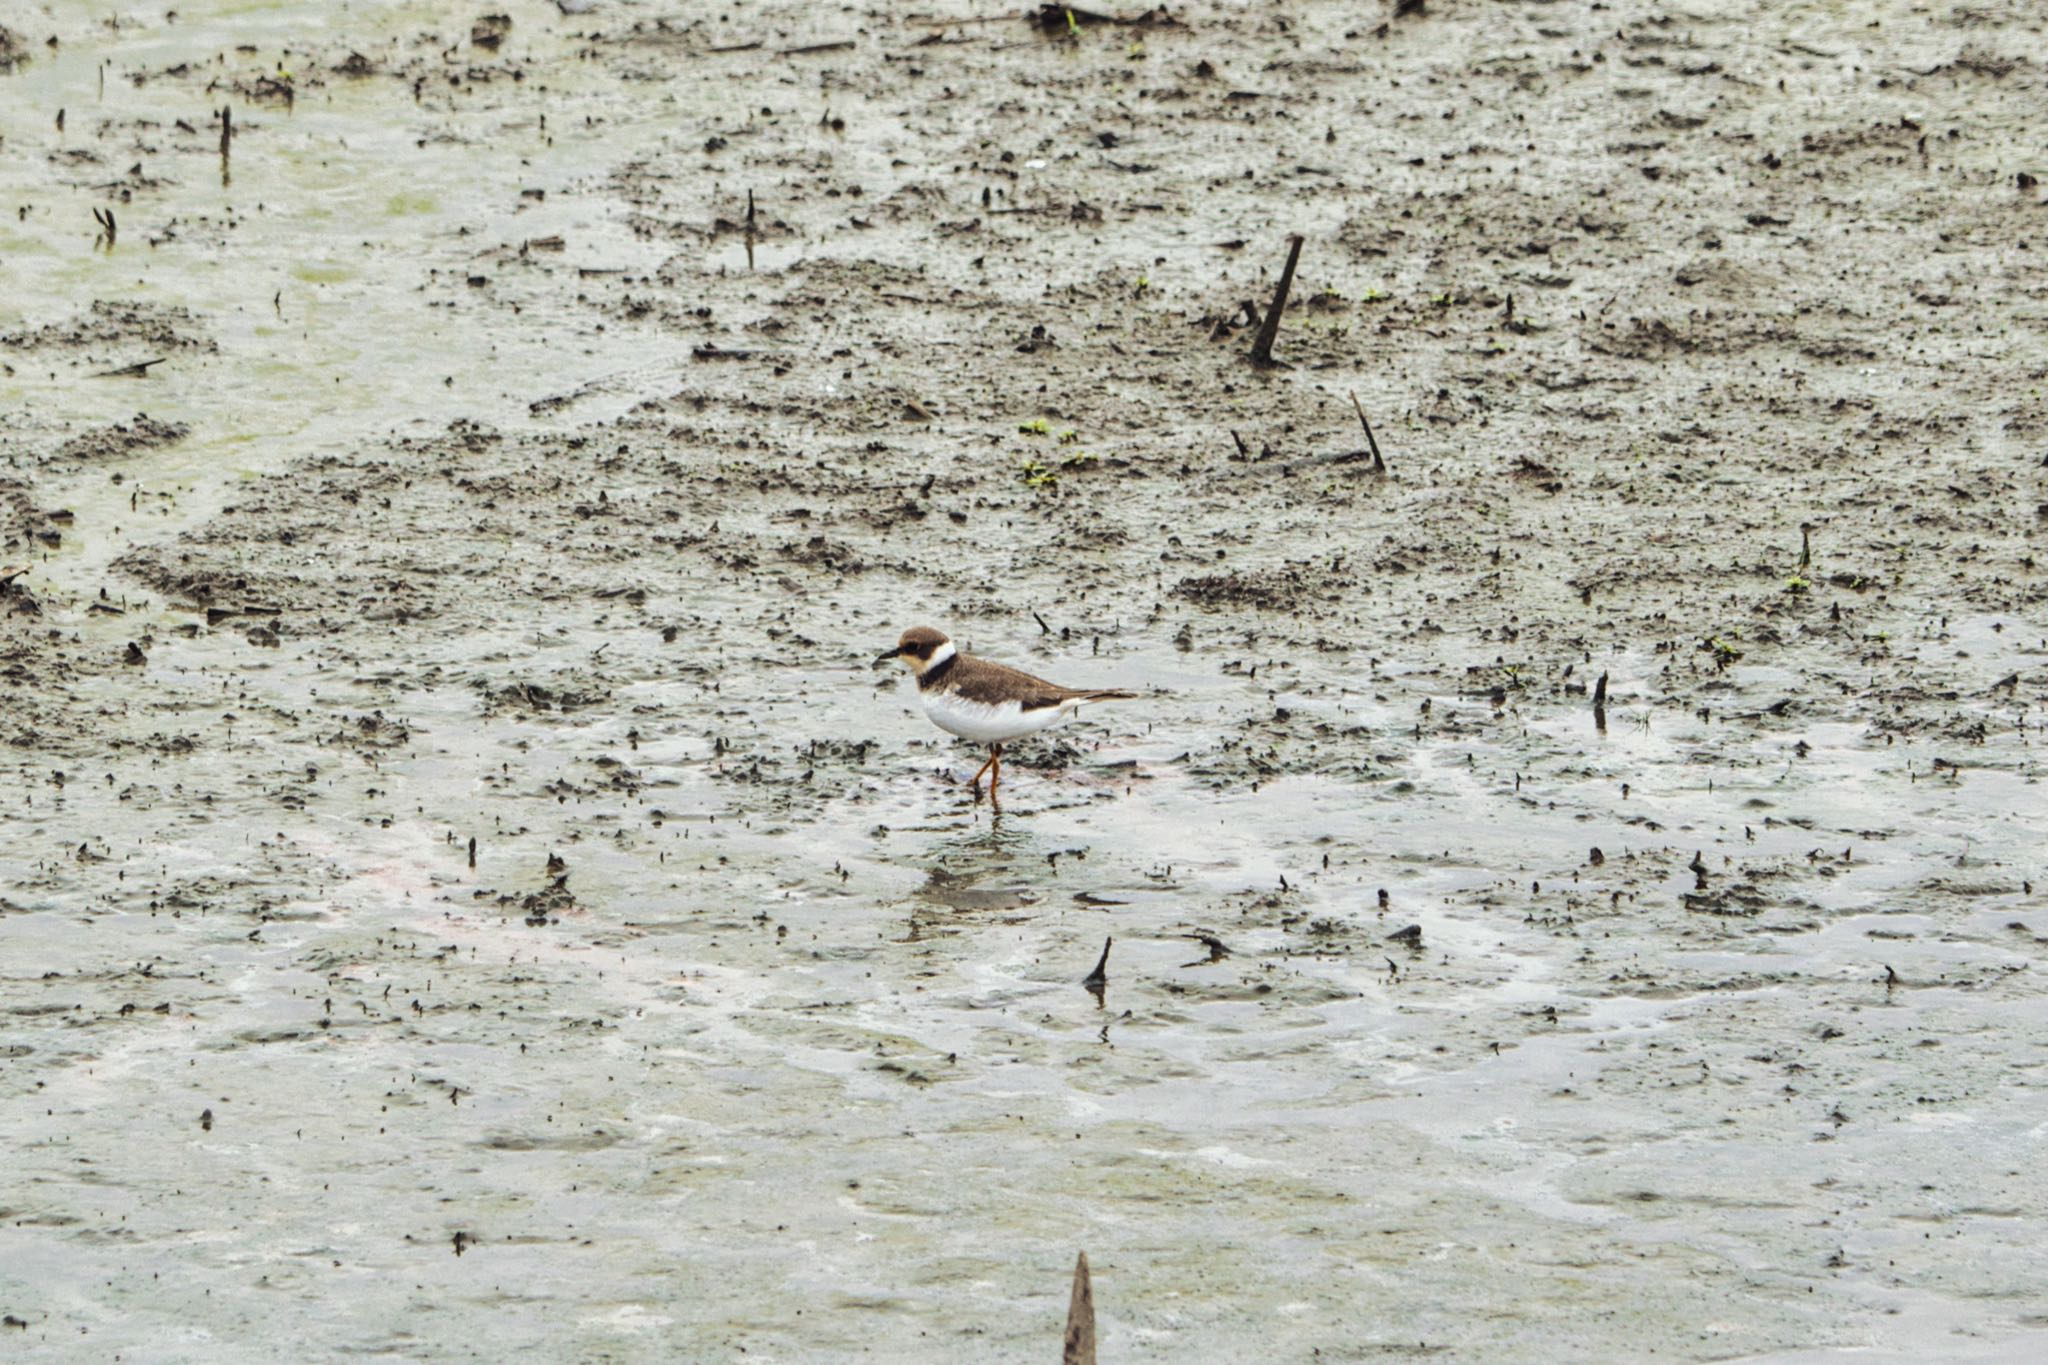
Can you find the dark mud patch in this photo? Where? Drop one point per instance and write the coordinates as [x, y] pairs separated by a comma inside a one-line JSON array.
[[112, 323], [1288, 589], [27, 529], [560, 694], [142, 433]]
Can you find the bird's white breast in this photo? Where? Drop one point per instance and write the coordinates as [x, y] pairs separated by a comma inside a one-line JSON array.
[[984, 722]]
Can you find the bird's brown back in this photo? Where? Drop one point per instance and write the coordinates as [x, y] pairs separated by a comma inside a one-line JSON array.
[[990, 683]]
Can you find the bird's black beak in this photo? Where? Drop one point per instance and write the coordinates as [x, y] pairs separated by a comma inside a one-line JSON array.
[[894, 653]]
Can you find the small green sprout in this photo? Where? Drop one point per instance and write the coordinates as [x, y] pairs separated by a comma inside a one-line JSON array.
[[1798, 583], [1036, 475], [1036, 427], [1068, 436]]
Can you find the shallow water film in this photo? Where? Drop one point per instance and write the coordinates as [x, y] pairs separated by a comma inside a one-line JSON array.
[[1569, 886]]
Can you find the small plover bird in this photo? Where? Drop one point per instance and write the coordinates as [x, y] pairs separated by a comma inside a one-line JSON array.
[[986, 702]]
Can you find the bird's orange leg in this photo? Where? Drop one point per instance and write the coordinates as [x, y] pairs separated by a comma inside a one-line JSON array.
[[975, 781], [995, 774]]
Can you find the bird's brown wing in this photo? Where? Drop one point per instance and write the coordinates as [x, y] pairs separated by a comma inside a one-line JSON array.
[[979, 680]]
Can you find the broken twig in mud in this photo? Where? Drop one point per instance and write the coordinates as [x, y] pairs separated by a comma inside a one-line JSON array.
[[1379, 466], [1099, 978], [1262, 349], [1080, 1343], [1600, 703], [108, 229], [1217, 950], [139, 370], [1068, 18]]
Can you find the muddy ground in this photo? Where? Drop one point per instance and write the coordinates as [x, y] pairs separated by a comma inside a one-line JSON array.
[[540, 427]]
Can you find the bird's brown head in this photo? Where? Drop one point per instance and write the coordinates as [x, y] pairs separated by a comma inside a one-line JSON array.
[[920, 647]]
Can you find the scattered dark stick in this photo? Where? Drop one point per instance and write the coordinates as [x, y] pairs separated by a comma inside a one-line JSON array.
[[1099, 978], [736, 47], [1080, 1345], [1805, 545], [139, 370], [227, 129], [1043, 628], [1066, 18], [1262, 349], [472, 850], [1241, 450], [109, 230], [841, 46], [1379, 466], [1217, 952], [1600, 703]]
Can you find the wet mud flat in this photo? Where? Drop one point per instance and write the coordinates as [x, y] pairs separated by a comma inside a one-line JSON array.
[[467, 890]]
